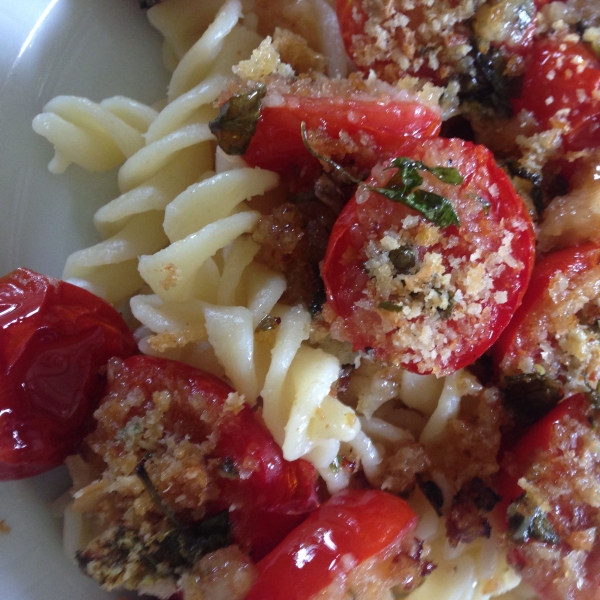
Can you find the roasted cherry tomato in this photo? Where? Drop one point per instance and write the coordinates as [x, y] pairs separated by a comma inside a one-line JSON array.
[[428, 298], [554, 330], [55, 339], [277, 143], [250, 472], [536, 440], [548, 507], [417, 41], [350, 528], [562, 89]]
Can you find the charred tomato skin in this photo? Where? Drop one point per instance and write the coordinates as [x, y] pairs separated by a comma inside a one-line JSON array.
[[55, 340]]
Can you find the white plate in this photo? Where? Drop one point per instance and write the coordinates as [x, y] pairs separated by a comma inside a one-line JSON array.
[[91, 48]]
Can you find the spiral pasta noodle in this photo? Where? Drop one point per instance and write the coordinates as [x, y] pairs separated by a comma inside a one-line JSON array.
[[177, 244], [94, 136]]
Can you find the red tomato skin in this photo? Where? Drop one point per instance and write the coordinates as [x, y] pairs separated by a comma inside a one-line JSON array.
[[535, 440], [357, 522], [268, 482], [514, 339], [345, 278], [563, 71], [54, 340], [277, 143]]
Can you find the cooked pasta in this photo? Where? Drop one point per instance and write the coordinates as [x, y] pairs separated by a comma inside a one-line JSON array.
[[217, 257], [94, 136]]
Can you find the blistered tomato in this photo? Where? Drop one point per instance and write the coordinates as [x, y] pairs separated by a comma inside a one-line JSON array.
[[55, 339]]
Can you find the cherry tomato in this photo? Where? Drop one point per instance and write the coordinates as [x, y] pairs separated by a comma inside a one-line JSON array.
[[416, 41], [557, 315], [351, 527], [562, 89], [441, 311], [536, 440], [250, 472], [277, 143], [55, 339], [554, 512]]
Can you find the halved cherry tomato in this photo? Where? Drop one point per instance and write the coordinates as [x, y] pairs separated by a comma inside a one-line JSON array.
[[416, 41], [558, 515], [55, 339], [466, 282], [562, 84], [551, 309], [250, 472], [277, 143], [537, 439], [351, 527]]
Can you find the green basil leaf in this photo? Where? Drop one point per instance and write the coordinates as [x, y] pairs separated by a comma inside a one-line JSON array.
[[435, 208], [447, 175], [235, 124], [390, 306]]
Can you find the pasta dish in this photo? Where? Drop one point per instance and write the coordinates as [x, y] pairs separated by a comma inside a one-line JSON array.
[[340, 337]]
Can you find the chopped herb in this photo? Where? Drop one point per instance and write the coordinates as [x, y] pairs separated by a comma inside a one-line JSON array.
[[404, 259], [530, 396], [227, 469], [486, 83], [485, 204], [408, 170], [336, 464], [236, 122], [390, 306], [319, 297], [186, 545], [527, 521], [433, 493], [124, 556], [593, 397], [401, 188], [132, 430], [476, 491], [268, 322], [141, 472], [446, 313]]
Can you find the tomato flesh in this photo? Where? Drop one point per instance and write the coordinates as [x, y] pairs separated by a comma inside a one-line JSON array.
[[562, 84], [54, 340], [356, 523], [495, 242]]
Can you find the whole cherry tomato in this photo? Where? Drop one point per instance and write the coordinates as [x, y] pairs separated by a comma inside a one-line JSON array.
[[562, 89], [559, 313], [55, 339], [277, 143], [429, 298], [252, 477], [345, 531]]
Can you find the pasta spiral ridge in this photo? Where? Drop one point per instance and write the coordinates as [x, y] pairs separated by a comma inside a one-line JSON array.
[[97, 137]]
